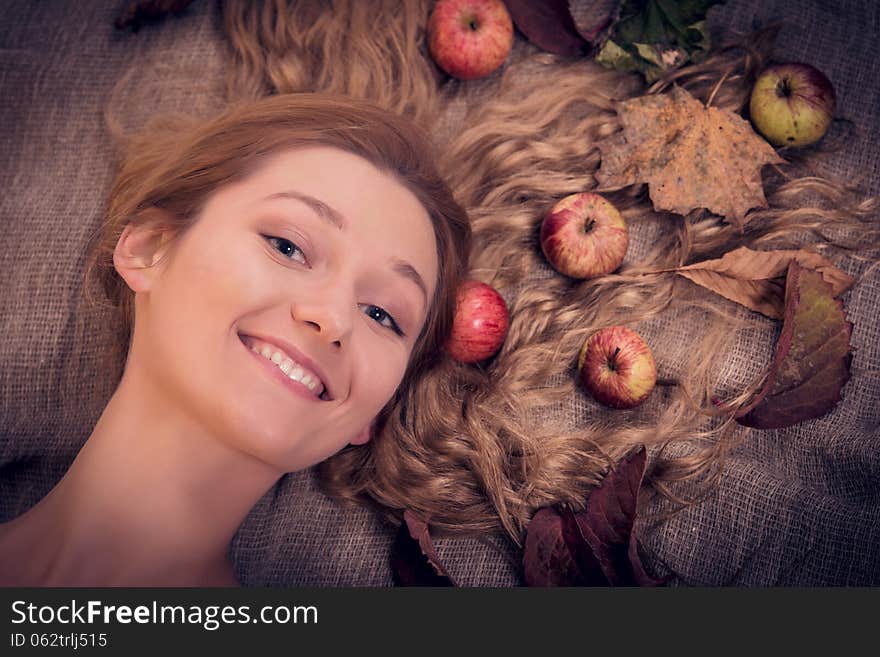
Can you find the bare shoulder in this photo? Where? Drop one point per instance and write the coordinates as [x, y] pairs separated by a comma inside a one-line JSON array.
[[12, 565]]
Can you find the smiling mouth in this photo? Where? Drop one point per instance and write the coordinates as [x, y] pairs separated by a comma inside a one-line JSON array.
[[293, 370]]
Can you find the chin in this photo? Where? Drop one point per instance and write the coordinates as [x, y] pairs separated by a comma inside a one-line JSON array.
[[287, 442]]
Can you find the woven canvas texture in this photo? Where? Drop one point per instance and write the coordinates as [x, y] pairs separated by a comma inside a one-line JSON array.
[[799, 506]]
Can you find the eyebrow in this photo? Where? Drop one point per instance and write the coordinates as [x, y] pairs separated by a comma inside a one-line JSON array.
[[337, 219], [406, 270], [317, 205]]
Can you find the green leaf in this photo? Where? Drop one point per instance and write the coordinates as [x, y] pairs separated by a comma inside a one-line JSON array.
[[649, 53], [658, 35], [613, 56], [672, 14], [654, 29], [631, 24], [698, 36], [695, 10]]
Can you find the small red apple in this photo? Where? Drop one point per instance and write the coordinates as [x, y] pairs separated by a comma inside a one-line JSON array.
[[617, 367], [469, 38], [584, 235], [480, 323], [792, 104]]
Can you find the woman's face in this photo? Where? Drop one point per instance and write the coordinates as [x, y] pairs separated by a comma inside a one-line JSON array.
[[283, 319]]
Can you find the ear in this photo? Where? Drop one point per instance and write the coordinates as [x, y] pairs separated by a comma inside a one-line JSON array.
[[363, 437], [139, 248]]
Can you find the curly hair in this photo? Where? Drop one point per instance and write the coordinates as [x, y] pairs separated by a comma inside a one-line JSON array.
[[478, 448]]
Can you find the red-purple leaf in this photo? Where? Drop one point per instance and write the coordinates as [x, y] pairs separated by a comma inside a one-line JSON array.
[[594, 18], [590, 571], [596, 546], [812, 359], [607, 521], [414, 560], [549, 25], [139, 12], [547, 558]]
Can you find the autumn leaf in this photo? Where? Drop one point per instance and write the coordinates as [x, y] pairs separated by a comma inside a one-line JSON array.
[[654, 37], [690, 155], [139, 12], [549, 25], [755, 279], [547, 558], [812, 358], [595, 18], [593, 547], [414, 561]]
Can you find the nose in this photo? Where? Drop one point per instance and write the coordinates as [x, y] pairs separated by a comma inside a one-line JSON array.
[[328, 314]]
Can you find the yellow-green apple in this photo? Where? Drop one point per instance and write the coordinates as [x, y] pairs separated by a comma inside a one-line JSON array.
[[469, 39], [617, 368], [792, 104], [480, 323], [584, 235]]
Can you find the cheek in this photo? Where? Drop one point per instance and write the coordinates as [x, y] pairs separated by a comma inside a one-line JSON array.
[[213, 282], [379, 376], [190, 313]]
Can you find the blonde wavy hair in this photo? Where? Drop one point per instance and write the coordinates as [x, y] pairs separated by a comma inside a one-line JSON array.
[[481, 448]]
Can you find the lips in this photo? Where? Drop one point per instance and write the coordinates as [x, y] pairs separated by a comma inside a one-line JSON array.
[[291, 363]]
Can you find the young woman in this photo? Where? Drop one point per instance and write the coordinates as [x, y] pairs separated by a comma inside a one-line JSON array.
[[229, 250], [280, 272]]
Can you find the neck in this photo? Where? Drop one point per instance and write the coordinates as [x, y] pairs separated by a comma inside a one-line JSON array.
[[150, 499]]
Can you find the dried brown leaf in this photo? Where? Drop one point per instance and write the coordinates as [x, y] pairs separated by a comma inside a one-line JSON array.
[[812, 358], [691, 156], [755, 279]]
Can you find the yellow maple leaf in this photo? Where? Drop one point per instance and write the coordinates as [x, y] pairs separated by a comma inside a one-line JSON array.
[[691, 156]]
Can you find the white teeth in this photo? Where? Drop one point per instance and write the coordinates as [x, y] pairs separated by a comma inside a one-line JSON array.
[[287, 365]]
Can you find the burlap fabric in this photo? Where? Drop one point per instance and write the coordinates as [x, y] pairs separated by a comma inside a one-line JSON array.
[[799, 506]]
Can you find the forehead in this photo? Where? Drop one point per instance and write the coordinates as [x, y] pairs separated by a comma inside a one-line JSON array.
[[338, 175]]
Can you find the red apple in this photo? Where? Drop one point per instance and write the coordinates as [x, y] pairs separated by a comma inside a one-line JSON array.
[[480, 323], [469, 38], [584, 235], [617, 367], [792, 104]]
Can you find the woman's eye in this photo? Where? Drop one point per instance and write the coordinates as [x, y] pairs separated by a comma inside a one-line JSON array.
[[381, 316], [287, 248]]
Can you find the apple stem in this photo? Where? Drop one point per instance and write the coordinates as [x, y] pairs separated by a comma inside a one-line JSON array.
[[784, 87], [612, 362], [473, 24], [589, 225]]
